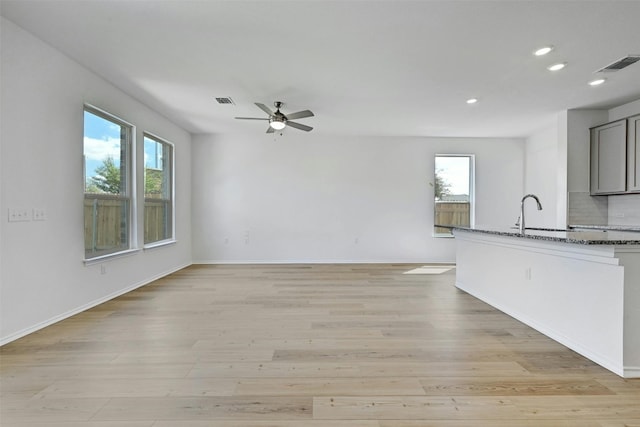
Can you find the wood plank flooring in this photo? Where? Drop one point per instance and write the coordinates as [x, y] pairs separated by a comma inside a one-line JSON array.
[[304, 345]]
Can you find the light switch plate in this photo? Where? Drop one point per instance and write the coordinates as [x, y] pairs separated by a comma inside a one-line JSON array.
[[39, 214], [19, 215]]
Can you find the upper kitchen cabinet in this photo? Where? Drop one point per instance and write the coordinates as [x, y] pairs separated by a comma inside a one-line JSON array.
[[633, 154], [609, 158]]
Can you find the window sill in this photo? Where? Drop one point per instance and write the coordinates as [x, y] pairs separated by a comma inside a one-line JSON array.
[[107, 257], [160, 244]]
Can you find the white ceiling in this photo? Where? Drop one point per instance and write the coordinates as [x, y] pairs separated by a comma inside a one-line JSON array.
[[400, 68]]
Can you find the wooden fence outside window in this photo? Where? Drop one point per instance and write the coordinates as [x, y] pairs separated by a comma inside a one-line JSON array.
[[452, 213], [105, 223]]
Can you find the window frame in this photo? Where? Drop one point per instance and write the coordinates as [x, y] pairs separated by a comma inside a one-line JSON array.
[[129, 193], [171, 187], [472, 192]]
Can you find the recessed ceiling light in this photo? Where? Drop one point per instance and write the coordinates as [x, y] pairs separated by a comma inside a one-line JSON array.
[[543, 51], [597, 82], [472, 100], [556, 67]]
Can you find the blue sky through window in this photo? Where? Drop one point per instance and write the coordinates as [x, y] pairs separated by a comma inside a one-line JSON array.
[[101, 140], [152, 154]]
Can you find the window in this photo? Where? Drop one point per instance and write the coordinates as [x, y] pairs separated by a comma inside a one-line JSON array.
[[158, 190], [107, 184], [454, 192]]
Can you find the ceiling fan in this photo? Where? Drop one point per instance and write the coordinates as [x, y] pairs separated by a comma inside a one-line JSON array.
[[278, 121]]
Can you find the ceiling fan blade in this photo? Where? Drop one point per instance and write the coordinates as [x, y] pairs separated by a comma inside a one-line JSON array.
[[251, 118], [299, 126], [270, 130], [299, 115], [264, 108]]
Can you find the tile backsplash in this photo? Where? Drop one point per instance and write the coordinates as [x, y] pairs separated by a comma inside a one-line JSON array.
[[587, 210], [604, 210], [624, 209]]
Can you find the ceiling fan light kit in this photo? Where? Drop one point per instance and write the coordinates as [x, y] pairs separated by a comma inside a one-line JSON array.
[[278, 121]]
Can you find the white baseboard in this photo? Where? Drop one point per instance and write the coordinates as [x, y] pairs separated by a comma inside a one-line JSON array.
[[84, 307], [316, 261], [632, 371]]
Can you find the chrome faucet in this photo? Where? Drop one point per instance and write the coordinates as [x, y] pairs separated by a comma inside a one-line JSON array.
[[520, 222]]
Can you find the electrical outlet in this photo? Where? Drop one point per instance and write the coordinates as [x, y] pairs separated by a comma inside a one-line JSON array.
[[19, 215], [39, 214]]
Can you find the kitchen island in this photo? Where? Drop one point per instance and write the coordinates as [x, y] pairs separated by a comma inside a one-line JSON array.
[[580, 288]]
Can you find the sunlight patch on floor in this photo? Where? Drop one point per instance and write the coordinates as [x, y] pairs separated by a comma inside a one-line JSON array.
[[430, 269]]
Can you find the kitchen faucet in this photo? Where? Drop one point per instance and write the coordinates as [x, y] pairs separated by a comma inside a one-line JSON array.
[[520, 222]]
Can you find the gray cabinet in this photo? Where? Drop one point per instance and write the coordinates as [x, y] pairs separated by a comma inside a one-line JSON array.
[[609, 158], [633, 154]]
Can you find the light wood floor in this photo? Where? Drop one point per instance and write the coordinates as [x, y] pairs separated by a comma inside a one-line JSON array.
[[321, 345]]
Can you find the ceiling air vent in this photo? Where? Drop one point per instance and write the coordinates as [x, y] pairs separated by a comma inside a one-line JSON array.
[[225, 100], [621, 63]]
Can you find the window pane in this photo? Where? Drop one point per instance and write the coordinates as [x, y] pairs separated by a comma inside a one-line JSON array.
[[107, 205], [105, 225], [157, 220], [158, 183], [105, 155], [453, 192]]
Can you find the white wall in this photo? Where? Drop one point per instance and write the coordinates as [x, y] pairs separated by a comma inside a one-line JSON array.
[[582, 207], [624, 111], [541, 178], [561, 188], [308, 198], [43, 277]]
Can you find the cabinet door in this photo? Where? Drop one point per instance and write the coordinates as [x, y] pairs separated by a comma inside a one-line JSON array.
[[633, 154], [609, 158]]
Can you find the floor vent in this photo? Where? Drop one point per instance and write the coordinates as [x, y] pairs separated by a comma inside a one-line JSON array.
[[225, 100], [621, 63]]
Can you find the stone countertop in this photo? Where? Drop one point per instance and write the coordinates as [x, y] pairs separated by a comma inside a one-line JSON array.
[[635, 228], [581, 237]]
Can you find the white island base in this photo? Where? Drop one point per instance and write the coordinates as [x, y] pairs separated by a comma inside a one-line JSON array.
[[587, 297]]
